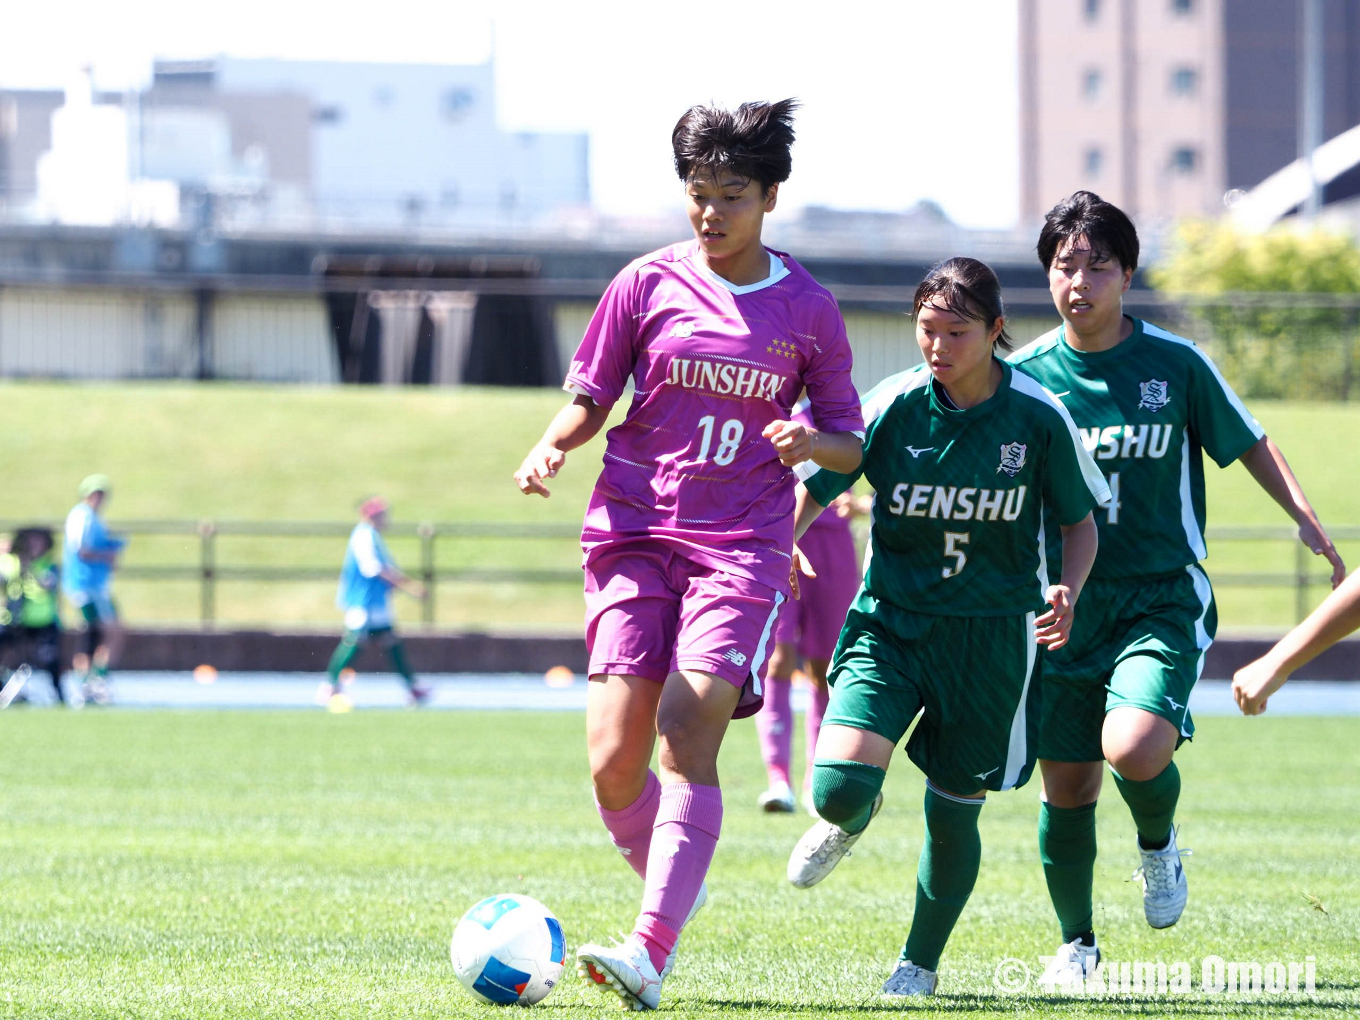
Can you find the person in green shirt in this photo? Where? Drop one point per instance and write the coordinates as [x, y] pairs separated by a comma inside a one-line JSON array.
[[1149, 404], [957, 606], [38, 621]]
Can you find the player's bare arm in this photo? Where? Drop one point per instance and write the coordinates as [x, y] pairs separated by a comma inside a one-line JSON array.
[[1338, 615], [575, 425], [795, 442], [1272, 473], [397, 579], [805, 511], [1079, 543]]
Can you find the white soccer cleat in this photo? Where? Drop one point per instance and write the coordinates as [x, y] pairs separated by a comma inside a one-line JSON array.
[[909, 979], [777, 800], [1164, 886], [624, 970], [699, 902], [821, 849], [1070, 967]]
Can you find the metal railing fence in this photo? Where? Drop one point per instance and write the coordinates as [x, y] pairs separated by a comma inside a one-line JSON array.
[[1303, 573]]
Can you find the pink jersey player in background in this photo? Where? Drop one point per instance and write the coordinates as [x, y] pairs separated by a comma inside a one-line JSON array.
[[806, 632], [688, 535]]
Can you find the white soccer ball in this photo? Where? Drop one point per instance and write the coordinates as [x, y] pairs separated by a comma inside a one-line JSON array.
[[508, 950]]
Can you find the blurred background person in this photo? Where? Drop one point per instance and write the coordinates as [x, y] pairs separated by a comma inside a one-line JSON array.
[[89, 554], [37, 618], [366, 579]]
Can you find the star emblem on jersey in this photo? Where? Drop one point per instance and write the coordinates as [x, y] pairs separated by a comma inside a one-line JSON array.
[[1152, 395], [783, 348], [1012, 458], [683, 330]]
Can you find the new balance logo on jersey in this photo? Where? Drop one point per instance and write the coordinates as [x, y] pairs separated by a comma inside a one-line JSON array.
[[1012, 458], [950, 503], [916, 451], [735, 657], [1175, 707], [684, 330], [982, 776], [723, 378], [1152, 395], [1132, 442]]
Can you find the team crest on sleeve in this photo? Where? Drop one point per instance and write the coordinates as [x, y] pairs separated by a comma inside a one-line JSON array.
[[1152, 395], [1012, 458]]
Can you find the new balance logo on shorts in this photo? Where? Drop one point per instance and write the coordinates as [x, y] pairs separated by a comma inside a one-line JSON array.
[[735, 657]]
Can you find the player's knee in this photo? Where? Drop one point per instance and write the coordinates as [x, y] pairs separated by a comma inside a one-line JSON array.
[[1139, 763], [843, 790]]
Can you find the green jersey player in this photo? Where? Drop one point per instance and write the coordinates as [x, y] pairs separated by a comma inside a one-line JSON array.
[[967, 457], [1149, 404]]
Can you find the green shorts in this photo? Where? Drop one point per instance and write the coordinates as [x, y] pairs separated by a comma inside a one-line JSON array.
[[1137, 644], [972, 679]]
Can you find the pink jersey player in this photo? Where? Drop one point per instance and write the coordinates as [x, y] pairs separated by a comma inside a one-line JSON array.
[[806, 632], [688, 536]]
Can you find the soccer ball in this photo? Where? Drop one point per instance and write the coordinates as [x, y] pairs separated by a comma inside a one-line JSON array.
[[508, 950]]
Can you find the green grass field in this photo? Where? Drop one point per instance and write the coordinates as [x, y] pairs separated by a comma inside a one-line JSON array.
[[235, 452], [288, 864]]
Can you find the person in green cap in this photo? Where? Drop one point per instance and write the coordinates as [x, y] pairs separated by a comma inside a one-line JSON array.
[[89, 554]]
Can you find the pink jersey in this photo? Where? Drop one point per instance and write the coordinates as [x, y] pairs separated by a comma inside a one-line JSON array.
[[711, 365]]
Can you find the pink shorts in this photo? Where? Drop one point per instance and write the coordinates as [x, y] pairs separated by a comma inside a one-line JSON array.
[[813, 621], [650, 611]]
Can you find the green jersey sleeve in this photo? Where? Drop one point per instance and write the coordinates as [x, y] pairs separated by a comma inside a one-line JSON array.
[[823, 485], [1073, 485], [1218, 418]]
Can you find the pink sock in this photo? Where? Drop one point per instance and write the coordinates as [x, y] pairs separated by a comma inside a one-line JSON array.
[[774, 727], [687, 826], [631, 828], [818, 699]]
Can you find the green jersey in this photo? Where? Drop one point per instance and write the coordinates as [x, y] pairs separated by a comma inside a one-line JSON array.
[[1146, 408], [959, 514]]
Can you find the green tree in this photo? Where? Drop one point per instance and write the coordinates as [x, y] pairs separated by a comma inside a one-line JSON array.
[[1278, 310]]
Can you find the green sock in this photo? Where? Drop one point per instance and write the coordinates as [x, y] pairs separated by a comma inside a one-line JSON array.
[[843, 791], [345, 653], [397, 653], [1152, 802], [1067, 848], [944, 877]]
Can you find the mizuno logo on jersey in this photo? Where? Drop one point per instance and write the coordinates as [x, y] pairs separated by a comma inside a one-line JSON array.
[[1172, 702], [1152, 395], [1012, 458], [983, 775], [950, 503], [1129, 441], [916, 451], [725, 378]]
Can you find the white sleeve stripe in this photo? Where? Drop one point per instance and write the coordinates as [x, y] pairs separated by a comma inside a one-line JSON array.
[[1090, 473], [1247, 418], [1046, 342], [875, 404]]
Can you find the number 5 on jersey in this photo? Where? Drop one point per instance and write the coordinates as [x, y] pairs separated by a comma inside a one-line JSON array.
[[952, 541]]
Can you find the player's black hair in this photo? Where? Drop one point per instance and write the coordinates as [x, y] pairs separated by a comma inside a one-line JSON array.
[[1107, 229], [969, 289], [752, 141]]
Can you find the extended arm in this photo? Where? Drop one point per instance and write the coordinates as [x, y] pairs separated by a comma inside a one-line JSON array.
[[1271, 471], [1338, 615], [575, 425], [795, 442]]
